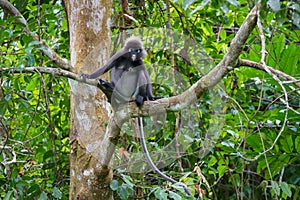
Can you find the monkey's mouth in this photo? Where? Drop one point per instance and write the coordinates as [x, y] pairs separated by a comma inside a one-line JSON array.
[[133, 57]]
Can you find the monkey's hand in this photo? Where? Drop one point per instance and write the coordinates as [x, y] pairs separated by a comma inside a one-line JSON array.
[[106, 87], [84, 76]]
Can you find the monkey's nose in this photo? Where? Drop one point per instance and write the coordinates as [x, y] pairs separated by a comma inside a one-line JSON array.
[[133, 57]]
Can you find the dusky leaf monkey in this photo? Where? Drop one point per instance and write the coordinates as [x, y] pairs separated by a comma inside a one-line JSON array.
[[130, 82]]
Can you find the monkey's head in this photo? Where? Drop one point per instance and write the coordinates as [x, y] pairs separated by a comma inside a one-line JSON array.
[[134, 47]]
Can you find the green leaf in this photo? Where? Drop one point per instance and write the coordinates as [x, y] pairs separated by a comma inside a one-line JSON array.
[[285, 188], [297, 144], [9, 195], [8, 97], [43, 196], [291, 58], [127, 179], [161, 194], [212, 161], [56, 193], [186, 3], [274, 4], [33, 84], [275, 188], [279, 44], [296, 19], [35, 42], [223, 34], [255, 142], [174, 195], [30, 59], [3, 107], [48, 154], [123, 192], [287, 144], [234, 2], [15, 172], [21, 4], [221, 169], [114, 185]]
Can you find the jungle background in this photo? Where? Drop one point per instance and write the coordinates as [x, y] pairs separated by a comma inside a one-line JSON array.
[[257, 152]]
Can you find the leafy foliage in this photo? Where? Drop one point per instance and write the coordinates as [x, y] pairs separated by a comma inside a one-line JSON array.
[[248, 161], [34, 111]]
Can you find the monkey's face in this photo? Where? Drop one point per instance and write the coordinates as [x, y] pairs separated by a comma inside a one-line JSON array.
[[135, 54]]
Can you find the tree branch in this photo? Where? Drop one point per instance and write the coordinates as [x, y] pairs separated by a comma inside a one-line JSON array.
[[272, 70], [49, 70], [229, 61], [183, 100], [174, 103], [52, 55], [178, 102], [101, 84]]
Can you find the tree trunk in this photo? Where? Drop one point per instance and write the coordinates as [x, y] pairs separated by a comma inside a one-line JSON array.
[[89, 48]]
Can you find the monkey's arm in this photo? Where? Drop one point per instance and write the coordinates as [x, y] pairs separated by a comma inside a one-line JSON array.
[[99, 71], [114, 61]]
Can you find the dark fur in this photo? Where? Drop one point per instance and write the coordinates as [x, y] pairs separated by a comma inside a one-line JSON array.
[[129, 77]]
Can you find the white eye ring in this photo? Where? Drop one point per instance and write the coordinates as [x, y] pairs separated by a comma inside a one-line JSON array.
[[135, 50]]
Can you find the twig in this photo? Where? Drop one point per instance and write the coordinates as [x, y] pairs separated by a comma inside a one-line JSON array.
[[13, 160], [48, 70], [281, 74], [279, 82]]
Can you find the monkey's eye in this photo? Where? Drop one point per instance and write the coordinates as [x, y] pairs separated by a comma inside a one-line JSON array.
[[135, 50]]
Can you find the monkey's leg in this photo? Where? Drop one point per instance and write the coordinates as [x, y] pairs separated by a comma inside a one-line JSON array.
[[150, 162]]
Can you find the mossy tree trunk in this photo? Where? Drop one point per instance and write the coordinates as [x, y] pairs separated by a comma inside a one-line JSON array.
[[89, 48]]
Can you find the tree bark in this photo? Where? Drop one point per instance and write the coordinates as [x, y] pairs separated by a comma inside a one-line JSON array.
[[89, 48]]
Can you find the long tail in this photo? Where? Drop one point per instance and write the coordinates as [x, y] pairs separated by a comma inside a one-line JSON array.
[[150, 162]]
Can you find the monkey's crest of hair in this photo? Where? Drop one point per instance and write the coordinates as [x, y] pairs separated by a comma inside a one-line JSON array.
[[135, 43]]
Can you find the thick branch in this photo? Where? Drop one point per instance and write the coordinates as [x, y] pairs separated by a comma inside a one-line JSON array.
[[229, 61], [52, 55], [175, 103], [181, 101]]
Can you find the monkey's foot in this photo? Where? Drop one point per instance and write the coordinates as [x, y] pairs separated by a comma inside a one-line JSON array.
[[139, 100], [156, 98], [84, 76]]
